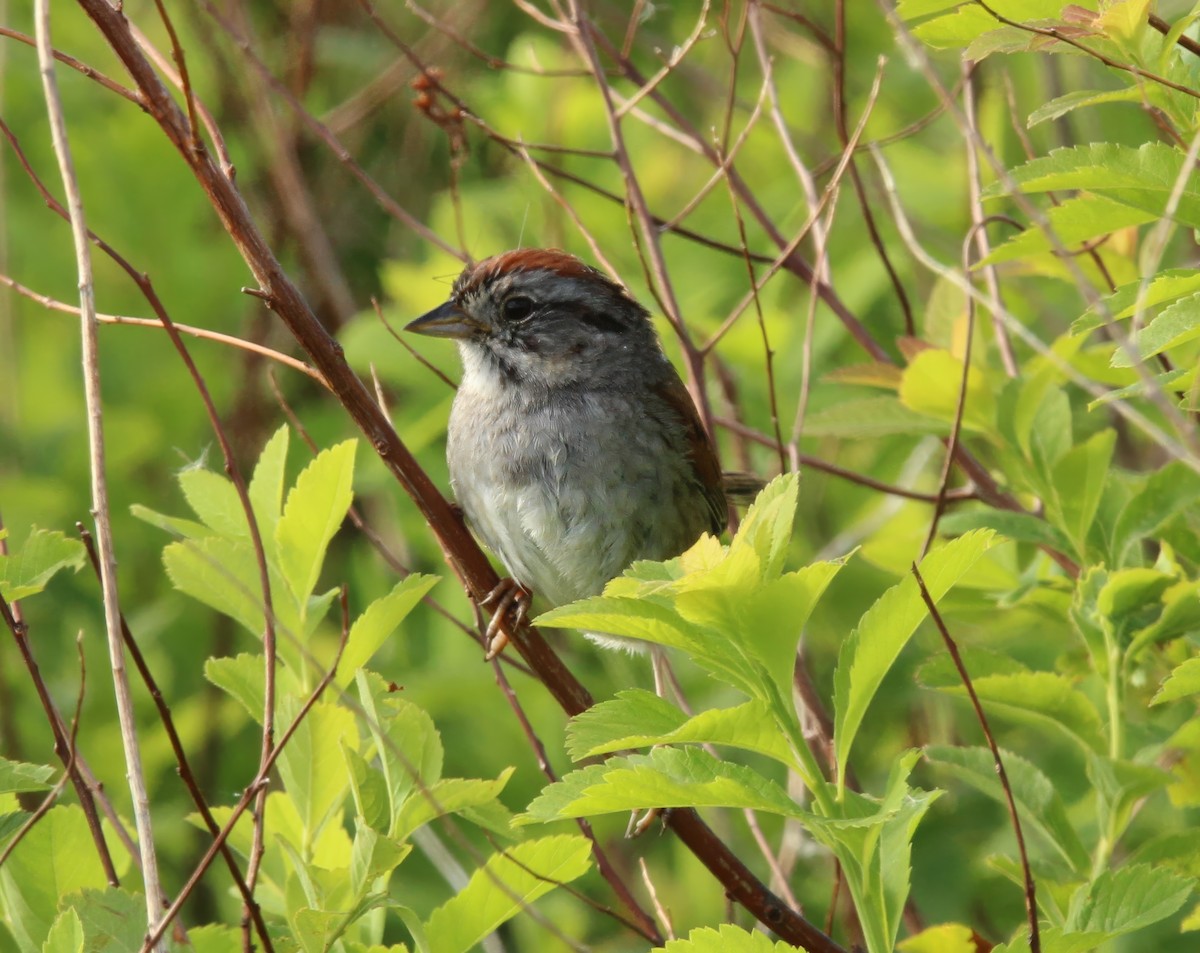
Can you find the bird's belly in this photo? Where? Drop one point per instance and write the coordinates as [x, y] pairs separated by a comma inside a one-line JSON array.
[[563, 509]]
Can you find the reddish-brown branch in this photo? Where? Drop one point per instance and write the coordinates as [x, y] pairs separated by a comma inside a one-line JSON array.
[[62, 746]]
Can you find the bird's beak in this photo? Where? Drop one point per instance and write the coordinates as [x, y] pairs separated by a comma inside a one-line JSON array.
[[446, 321]]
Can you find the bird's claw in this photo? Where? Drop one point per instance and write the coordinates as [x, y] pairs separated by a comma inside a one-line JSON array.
[[638, 825], [507, 595]]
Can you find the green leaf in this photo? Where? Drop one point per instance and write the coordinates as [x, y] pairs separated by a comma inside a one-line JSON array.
[[767, 525], [639, 719], [377, 623], [214, 938], [266, 486], [1020, 527], [1168, 285], [406, 741], [311, 763], [1041, 699], [214, 499], [448, 796], [667, 777], [1176, 324], [1128, 899], [873, 841], [184, 529], [726, 938], [1038, 802], [241, 677], [1061, 105], [868, 654], [1142, 177], [370, 791], [1184, 680], [375, 855], [943, 938], [223, 574], [18, 777], [66, 935], [314, 511], [26, 572], [1079, 480], [504, 886], [1165, 494], [56, 858], [931, 386], [870, 417], [113, 920], [1077, 220]]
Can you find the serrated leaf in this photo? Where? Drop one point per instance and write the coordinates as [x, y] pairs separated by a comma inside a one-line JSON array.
[[113, 920], [1142, 177], [25, 572], [18, 777], [310, 765], [667, 777], [448, 796], [377, 623], [55, 858], [406, 741], [66, 935], [767, 525], [214, 499], [266, 486], [639, 719], [1037, 800], [313, 513], [1127, 899], [868, 654], [504, 886], [726, 938], [1165, 494], [1168, 285], [1176, 324], [1042, 699], [1061, 105], [1184, 680], [1077, 220], [375, 855], [223, 574]]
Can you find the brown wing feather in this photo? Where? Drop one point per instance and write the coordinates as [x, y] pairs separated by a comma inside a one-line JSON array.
[[704, 457]]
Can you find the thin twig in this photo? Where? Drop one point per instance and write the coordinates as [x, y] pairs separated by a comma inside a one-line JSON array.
[[104, 538], [1035, 942]]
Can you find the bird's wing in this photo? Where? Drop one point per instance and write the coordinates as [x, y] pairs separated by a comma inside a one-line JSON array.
[[704, 458]]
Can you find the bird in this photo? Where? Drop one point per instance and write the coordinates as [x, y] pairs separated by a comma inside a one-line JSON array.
[[573, 446]]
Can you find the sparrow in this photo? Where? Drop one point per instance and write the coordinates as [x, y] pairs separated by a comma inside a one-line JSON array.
[[573, 446]]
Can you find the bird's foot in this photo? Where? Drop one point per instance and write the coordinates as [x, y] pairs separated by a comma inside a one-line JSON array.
[[637, 825], [509, 595]]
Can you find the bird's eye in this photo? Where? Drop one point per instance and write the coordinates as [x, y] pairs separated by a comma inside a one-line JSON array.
[[517, 308]]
